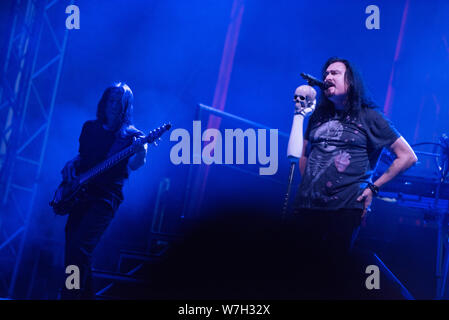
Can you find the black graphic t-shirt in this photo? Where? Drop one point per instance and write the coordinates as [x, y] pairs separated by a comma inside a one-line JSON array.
[[96, 144], [341, 159]]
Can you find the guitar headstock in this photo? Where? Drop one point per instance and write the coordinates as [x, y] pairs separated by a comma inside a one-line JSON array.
[[157, 133]]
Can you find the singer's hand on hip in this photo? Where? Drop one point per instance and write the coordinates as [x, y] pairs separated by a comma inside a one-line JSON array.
[[367, 198]]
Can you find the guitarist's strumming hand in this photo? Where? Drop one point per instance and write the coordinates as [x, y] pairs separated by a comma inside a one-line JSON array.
[[69, 170]]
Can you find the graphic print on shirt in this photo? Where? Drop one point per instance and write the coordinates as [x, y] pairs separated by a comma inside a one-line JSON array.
[[342, 161], [329, 131], [320, 161], [341, 157]]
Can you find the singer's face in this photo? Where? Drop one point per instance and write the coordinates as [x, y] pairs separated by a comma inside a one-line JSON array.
[[335, 76]]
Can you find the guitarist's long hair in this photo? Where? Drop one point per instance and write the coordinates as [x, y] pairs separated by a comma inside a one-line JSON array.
[[127, 127]]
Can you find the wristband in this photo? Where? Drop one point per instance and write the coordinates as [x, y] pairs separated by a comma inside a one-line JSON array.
[[374, 189], [301, 113]]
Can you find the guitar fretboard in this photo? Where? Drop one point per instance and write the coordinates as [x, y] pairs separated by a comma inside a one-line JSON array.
[[119, 156], [107, 164]]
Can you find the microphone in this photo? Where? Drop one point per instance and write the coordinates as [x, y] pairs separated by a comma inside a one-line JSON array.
[[314, 81]]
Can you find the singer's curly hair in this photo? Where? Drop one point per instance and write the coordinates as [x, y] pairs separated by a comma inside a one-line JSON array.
[[357, 97]]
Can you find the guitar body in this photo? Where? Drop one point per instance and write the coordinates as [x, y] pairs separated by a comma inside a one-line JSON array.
[[67, 195]]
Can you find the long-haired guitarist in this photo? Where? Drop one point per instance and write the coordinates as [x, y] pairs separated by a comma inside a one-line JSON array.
[[111, 132]]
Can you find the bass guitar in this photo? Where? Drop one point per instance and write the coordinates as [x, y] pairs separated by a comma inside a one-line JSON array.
[[67, 194]]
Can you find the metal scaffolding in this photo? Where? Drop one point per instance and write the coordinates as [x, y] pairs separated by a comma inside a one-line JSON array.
[[28, 87]]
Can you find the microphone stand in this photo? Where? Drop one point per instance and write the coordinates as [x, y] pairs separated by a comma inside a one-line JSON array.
[[293, 161], [443, 245]]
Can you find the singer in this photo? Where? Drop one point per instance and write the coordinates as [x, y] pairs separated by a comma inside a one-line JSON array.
[[342, 142]]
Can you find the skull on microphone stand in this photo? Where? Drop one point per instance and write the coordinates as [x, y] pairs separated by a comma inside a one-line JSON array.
[[305, 100]]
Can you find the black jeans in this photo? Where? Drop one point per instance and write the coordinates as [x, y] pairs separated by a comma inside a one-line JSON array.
[[334, 229], [327, 238], [84, 229]]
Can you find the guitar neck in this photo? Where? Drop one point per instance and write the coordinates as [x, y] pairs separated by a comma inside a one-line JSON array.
[[107, 164], [125, 153]]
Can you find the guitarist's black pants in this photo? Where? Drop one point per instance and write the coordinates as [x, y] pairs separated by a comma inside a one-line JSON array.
[[84, 229]]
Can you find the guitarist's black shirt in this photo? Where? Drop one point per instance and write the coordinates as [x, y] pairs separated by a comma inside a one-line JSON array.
[[96, 144]]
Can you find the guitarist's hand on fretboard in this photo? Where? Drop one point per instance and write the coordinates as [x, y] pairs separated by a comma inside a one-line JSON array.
[[138, 159]]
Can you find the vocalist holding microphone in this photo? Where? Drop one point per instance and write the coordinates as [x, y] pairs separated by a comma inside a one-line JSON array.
[[344, 137]]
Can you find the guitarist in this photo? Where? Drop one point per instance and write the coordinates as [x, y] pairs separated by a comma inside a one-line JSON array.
[[111, 132]]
